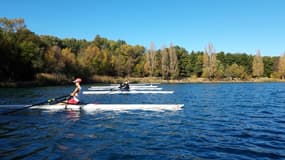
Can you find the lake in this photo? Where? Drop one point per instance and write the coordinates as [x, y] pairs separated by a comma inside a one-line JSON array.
[[218, 121]]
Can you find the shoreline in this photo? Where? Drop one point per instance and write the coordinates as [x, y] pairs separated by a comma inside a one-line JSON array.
[[134, 80]]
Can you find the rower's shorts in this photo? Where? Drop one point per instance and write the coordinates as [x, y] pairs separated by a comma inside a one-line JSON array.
[[73, 100]]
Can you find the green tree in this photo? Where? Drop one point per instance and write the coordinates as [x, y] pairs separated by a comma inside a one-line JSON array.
[[119, 63], [268, 65], [158, 64], [138, 54], [9, 56], [183, 61], [198, 65], [241, 59], [139, 70], [20, 50], [51, 41], [74, 44]]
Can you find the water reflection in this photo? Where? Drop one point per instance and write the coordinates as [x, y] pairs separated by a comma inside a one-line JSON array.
[[73, 115]]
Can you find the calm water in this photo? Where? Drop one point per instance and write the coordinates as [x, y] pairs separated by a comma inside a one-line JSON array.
[[219, 121]]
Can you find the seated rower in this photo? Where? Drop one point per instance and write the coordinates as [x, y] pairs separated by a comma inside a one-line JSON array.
[[121, 86], [125, 86], [75, 94]]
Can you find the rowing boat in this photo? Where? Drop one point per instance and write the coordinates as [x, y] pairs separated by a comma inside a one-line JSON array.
[[128, 92], [139, 84], [132, 89], [113, 87], [112, 107]]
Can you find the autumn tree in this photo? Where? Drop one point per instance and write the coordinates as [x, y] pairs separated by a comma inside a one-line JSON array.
[[86, 60], [69, 61], [173, 63], [209, 62], [257, 65], [12, 25], [281, 66], [235, 71], [220, 70], [53, 60], [150, 60], [119, 64], [169, 63], [106, 65], [164, 63], [206, 64]]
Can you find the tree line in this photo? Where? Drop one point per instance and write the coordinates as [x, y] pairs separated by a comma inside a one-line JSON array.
[[27, 56]]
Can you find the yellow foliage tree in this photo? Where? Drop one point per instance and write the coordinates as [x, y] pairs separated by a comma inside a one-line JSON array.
[[281, 66], [257, 65], [173, 63], [209, 62]]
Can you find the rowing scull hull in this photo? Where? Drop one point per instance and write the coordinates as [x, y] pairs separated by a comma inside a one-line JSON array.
[[132, 89], [138, 84], [112, 107], [116, 87], [128, 92]]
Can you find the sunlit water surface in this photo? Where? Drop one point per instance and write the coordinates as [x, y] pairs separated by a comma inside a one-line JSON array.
[[218, 121]]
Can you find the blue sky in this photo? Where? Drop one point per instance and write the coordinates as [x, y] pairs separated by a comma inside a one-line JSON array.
[[235, 26]]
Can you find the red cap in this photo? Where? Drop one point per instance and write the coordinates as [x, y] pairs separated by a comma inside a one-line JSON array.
[[77, 80]]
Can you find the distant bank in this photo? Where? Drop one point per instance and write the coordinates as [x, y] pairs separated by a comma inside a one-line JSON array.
[[114, 80]]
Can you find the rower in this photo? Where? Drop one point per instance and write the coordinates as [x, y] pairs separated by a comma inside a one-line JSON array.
[[75, 94], [125, 86]]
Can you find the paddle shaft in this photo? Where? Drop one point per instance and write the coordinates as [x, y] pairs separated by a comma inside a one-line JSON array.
[[40, 103]]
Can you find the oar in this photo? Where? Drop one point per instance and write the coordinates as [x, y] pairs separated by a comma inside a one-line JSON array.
[[115, 89], [40, 103]]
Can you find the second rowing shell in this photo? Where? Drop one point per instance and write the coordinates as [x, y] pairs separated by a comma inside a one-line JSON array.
[[132, 89], [128, 92]]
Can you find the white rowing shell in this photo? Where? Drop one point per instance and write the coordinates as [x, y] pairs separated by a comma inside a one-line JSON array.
[[128, 92], [112, 107], [131, 88], [116, 87]]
